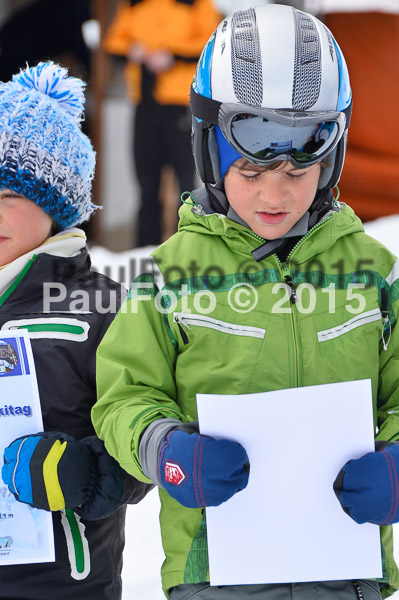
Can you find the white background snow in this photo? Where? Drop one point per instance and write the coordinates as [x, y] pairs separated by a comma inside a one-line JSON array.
[[143, 554]]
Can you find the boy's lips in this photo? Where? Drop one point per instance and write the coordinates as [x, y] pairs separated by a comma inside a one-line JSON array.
[[272, 218]]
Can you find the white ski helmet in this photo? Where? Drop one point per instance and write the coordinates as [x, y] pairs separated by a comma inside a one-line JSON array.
[[273, 82]]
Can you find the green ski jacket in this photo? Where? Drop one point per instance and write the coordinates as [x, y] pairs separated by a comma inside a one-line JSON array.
[[213, 320]]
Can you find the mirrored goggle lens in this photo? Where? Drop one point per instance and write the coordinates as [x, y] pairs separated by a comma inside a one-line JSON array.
[[264, 139]]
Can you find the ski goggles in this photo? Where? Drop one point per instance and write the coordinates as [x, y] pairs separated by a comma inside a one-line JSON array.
[[264, 135]]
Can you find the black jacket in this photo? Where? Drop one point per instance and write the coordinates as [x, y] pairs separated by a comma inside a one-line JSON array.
[[65, 367]]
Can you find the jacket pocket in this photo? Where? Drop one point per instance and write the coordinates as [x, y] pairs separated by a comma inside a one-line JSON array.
[[59, 328], [357, 321], [189, 320]]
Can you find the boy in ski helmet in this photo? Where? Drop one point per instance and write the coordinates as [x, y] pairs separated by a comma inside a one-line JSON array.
[[46, 170], [271, 106]]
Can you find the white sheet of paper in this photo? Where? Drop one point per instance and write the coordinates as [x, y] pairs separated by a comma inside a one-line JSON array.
[[287, 525], [26, 534]]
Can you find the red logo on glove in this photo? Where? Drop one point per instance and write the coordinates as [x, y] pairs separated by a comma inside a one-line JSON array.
[[174, 474]]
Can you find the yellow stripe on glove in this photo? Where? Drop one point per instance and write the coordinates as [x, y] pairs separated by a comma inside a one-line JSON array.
[[50, 474]]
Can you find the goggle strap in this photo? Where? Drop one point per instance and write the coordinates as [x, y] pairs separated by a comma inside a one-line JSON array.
[[207, 109], [204, 108]]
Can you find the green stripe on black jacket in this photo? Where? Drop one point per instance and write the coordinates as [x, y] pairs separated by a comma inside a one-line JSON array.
[[157, 355]]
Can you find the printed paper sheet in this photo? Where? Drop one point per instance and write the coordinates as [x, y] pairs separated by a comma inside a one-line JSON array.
[[26, 534]]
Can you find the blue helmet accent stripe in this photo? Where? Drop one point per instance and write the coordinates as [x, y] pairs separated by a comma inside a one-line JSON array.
[[202, 78], [227, 154], [344, 94]]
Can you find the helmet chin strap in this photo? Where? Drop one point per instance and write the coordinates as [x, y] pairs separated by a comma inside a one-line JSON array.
[[218, 197], [321, 205]]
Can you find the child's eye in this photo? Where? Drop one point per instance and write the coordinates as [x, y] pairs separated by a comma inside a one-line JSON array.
[[10, 196], [296, 175], [253, 177]]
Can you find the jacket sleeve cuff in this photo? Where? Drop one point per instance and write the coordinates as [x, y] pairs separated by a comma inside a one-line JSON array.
[[150, 446]]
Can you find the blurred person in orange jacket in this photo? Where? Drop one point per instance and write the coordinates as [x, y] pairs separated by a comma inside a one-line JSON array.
[[162, 41]]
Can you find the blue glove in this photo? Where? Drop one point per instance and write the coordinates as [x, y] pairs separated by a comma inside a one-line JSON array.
[[53, 471], [197, 470], [368, 487]]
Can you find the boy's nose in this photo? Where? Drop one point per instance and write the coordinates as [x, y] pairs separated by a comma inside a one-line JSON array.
[[272, 192]]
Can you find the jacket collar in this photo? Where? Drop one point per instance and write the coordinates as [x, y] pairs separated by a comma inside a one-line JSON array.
[[40, 269], [202, 218], [65, 244]]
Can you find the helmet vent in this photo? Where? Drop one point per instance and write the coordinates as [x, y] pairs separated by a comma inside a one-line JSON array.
[[246, 58], [296, 115], [307, 74]]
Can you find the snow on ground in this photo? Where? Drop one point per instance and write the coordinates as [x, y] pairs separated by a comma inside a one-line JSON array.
[[386, 231], [143, 554]]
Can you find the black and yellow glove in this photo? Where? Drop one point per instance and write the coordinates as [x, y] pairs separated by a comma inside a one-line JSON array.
[[53, 471]]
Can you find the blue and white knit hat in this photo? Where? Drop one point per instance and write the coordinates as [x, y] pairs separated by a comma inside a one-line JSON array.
[[44, 155]]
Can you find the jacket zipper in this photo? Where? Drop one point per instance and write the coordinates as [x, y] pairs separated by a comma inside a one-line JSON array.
[[293, 298], [311, 230], [289, 282], [286, 273], [183, 334], [299, 242], [223, 326], [358, 590], [386, 324], [369, 316]]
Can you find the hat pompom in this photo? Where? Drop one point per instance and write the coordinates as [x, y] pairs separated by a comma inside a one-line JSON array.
[[52, 80], [44, 154]]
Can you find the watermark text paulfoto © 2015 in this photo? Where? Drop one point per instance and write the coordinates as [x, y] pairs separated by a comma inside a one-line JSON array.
[[241, 298], [135, 266]]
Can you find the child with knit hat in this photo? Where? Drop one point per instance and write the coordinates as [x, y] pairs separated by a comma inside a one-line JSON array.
[[46, 170]]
